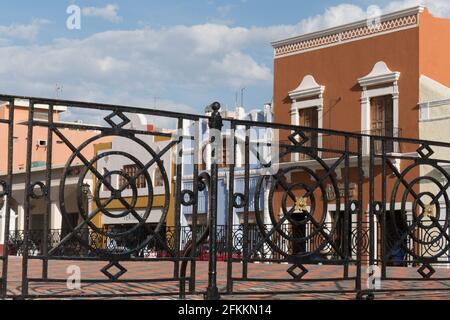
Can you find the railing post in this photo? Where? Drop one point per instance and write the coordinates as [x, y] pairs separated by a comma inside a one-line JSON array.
[[215, 125]]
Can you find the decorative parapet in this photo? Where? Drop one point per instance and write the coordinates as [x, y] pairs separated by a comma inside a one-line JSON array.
[[350, 32]]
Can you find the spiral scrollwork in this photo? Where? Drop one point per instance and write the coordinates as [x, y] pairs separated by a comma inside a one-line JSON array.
[[131, 190], [304, 207], [428, 231]]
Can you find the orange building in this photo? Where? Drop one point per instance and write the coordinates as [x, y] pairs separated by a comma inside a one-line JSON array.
[[363, 78]]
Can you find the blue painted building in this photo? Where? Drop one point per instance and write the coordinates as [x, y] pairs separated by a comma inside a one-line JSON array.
[[257, 136]]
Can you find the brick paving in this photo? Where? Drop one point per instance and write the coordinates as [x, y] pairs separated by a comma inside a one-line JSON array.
[[417, 290]]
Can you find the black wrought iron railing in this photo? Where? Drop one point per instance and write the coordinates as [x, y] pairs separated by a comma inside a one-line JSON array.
[[294, 200], [154, 249], [390, 145]]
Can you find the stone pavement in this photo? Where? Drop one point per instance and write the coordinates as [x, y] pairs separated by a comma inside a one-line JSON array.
[[416, 290]]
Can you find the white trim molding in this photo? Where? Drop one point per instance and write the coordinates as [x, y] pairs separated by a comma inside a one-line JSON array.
[[307, 88], [311, 94], [426, 107], [391, 22], [379, 76], [310, 90]]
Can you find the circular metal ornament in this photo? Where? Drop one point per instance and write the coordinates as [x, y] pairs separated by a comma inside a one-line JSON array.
[[354, 206], [304, 206], [191, 198], [430, 214], [109, 242], [239, 200], [37, 190]]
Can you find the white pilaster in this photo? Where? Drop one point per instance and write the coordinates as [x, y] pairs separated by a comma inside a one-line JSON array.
[[380, 75], [2, 221], [21, 217], [295, 121], [365, 120], [55, 217]]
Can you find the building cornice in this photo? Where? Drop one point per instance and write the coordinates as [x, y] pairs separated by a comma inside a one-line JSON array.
[[390, 22], [26, 104], [308, 88]]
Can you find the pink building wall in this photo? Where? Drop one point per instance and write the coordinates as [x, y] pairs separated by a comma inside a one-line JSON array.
[[60, 152]]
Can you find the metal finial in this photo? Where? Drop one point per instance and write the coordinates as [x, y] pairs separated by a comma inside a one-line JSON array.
[[215, 106], [215, 121]]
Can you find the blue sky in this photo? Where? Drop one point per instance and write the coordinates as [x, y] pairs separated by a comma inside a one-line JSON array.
[[181, 54]]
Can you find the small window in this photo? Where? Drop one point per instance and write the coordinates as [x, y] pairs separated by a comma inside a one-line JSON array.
[[132, 171], [309, 118], [382, 122]]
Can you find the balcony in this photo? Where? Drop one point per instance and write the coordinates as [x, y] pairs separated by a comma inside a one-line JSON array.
[[329, 146], [390, 145]]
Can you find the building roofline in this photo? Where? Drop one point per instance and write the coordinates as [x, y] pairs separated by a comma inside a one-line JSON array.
[[17, 172], [389, 22], [347, 27], [21, 103]]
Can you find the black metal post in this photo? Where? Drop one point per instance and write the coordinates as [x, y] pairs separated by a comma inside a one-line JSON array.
[[27, 200], [177, 224], [197, 158], [230, 243], [215, 125], [347, 218], [384, 254], [4, 283], [246, 208], [359, 220], [48, 181]]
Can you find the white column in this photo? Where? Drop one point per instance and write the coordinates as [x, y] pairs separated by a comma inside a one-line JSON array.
[[55, 217], [238, 157], [396, 116], [365, 120], [21, 217], [2, 221], [12, 220], [267, 220], [295, 120], [320, 126]]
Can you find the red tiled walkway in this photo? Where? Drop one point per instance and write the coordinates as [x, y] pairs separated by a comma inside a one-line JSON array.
[[259, 290]]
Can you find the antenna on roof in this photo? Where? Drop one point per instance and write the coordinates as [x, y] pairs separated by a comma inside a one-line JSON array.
[[155, 100], [58, 90], [242, 96]]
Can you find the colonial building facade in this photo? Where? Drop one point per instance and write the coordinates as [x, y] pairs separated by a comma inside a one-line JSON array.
[[227, 156], [152, 192], [40, 144], [388, 78]]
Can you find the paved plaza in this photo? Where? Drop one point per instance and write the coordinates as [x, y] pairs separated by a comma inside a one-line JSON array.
[[418, 289]]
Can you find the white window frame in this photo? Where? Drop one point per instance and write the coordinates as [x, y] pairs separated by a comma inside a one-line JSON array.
[[380, 75], [311, 94]]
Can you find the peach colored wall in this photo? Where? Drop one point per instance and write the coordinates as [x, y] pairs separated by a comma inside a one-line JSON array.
[[60, 153], [435, 48], [339, 68]]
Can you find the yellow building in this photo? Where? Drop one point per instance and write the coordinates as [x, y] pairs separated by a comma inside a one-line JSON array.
[[135, 189]]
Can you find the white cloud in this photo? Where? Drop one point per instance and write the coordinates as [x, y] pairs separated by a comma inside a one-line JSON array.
[[187, 66], [110, 12], [439, 8], [23, 31]]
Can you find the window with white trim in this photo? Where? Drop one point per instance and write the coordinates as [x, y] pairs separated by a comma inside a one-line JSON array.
[[307, 110], [380, 105]]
